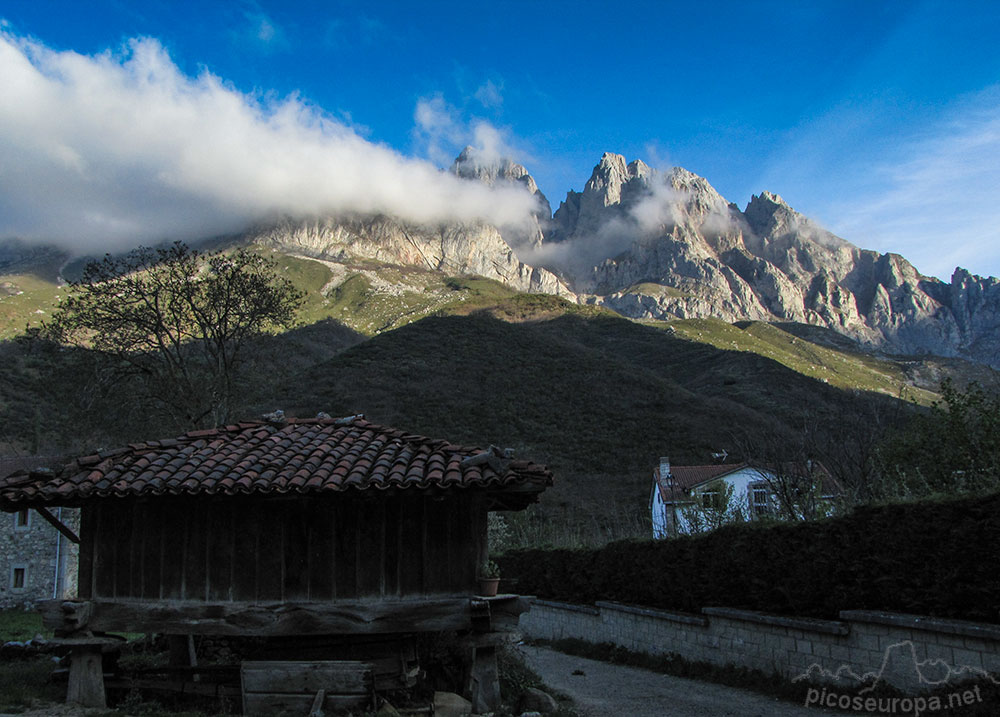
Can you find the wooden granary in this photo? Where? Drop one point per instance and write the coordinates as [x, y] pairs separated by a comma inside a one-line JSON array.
[[300, 528]]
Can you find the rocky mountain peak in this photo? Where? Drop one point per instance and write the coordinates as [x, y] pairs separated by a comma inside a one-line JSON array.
[[639, 169], [605, 183], [493, 171], [769, 215]]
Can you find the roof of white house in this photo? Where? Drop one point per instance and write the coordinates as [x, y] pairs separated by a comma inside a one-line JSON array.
[[684, 479]]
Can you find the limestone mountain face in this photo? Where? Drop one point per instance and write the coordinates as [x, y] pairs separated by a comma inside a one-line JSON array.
[[652, 244], [666, 244], [454, 249], [470, 164], [492, 171]]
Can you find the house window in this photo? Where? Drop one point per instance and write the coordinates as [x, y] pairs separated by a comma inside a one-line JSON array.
[[711, 499], [760, 500], [22, 519], [19, 577]]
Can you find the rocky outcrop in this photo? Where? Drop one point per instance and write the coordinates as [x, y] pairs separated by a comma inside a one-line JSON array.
[[454, 249], [492, 171], [668, 245], [472, 165], [17, 256]]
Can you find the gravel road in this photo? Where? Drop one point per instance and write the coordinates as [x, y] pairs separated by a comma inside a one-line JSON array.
[[606, 690]]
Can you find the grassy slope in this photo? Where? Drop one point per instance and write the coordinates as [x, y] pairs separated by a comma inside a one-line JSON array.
[[402, 295], [366, 299], [844, 367], [597, 398], [25, 300]]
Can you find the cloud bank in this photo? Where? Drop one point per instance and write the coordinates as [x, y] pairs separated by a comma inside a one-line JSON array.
[[109, 151]]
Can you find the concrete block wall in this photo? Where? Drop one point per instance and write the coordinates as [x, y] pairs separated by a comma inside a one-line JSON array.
[[911, 652]]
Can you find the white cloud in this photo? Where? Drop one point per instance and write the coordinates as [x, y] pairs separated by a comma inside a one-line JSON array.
[[438, 129], [123, 148], [261, 30], [442, 132], [936, 199], [489, 94], [654, 213]]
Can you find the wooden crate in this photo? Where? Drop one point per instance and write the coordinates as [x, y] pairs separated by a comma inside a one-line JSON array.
[[297, 688]]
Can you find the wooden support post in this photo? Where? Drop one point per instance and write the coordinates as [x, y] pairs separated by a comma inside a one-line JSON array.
[[86, 677], [317, 706], [485, 680]]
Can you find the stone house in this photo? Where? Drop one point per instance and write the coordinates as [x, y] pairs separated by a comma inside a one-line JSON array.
[[37, 562]]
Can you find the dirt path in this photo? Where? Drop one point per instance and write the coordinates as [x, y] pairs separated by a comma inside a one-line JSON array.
[[606, 690]]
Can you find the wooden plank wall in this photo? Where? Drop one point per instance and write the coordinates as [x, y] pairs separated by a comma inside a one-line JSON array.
[[281, 550]]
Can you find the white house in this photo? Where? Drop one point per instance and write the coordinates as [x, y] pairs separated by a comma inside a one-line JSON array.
[[694, 499]]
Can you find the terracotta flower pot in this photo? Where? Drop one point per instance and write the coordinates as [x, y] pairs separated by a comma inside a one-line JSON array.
[[488, 586]]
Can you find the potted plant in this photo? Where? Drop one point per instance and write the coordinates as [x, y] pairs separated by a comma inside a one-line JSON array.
[[489, 578]]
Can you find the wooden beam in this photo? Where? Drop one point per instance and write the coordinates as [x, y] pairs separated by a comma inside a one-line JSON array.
[[57, 524], [338, 677], [183, 617], [284, 687]]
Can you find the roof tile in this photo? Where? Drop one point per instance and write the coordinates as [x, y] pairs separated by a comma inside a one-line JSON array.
[[304, 456]]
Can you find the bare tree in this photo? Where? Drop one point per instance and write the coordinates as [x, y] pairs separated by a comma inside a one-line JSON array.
[[843, 459], [787, 464], [177, 321]]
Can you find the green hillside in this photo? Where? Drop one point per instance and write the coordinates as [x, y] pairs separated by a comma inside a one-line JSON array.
[[371, 298], [25, 300], [845, 367], [597, 398]]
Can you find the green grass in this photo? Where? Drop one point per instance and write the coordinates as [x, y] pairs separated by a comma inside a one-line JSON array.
[[660, 290], [21, 625], [25, 300], [25, 683], [844, 369]]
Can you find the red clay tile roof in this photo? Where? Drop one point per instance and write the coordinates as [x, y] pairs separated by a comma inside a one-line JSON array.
[[311, 456], [688, 477]]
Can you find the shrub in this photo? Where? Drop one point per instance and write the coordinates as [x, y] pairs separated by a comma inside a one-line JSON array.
[[931, 558]]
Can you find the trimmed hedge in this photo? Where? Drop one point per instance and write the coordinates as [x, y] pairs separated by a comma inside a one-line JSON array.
[[938, 558]]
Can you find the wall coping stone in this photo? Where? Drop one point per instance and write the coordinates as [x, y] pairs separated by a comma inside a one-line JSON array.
[[590, 610], [830, 627], [982, 630], [683, 617]]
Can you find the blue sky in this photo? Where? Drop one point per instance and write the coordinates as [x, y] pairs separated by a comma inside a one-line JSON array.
[[879, 119]]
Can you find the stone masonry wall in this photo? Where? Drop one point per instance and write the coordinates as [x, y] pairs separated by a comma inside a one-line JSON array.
[[35, 550], [912, 653]]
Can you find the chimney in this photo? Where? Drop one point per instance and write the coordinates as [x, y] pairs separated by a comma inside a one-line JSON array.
[[665, 469]]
